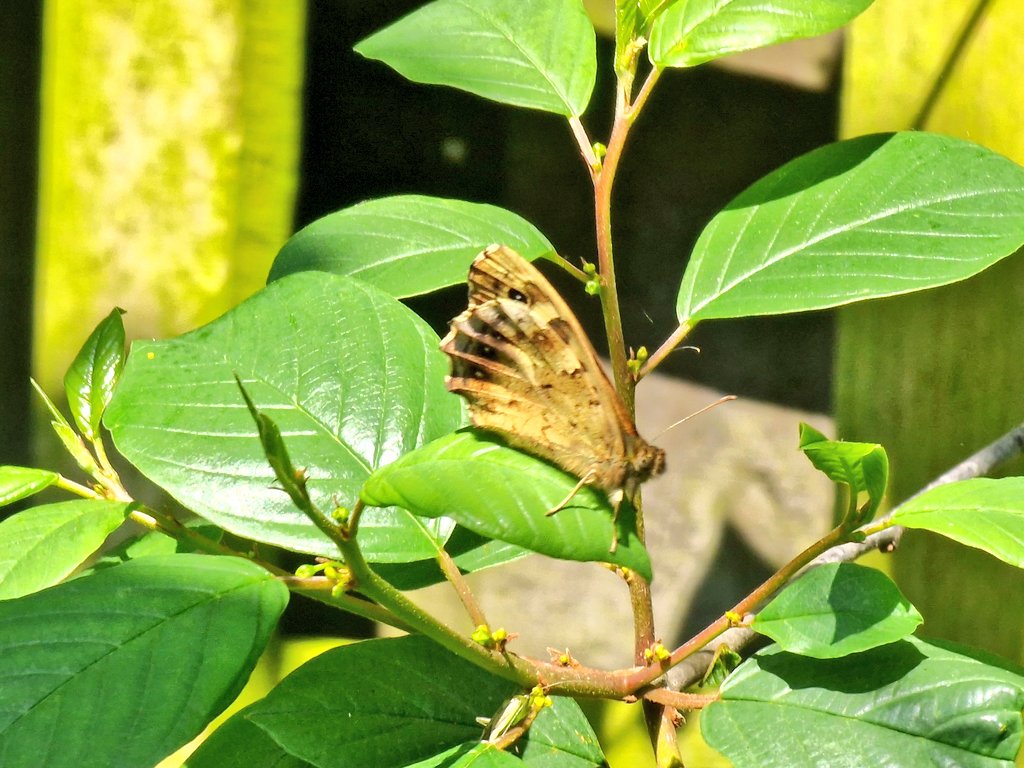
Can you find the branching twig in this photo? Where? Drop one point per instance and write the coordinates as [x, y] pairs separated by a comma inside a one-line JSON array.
[[980, 463]]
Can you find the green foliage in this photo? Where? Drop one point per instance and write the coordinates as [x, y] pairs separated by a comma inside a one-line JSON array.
[[861, 467], [408, 244], [89, 382], [909, 703], [129, 663], [45, 544], [314, 417], [840, 212], [530, 53], [444, 479], [689, 33], [836, 610], [983, 513], [353, 378]]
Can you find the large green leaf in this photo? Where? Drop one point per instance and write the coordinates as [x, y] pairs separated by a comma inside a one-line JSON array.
[[352, 378], [692, 32], [445, 478], [347, 706], [91, 378], [125, 665], [529, 53], [43, 545], [865, 218], [408, 244], [837, 609], [904, 705], [407, 701], [983, 513]]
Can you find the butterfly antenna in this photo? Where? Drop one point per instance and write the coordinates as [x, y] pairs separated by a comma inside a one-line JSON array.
[[705, 409]]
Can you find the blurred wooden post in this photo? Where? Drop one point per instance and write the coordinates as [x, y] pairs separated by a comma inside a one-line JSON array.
[[937, 375], [169, 152]]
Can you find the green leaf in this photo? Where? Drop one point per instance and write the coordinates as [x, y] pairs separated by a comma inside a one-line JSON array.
[[413, 687], [90, 381], [406, 245], [983, 513], [445, 478], [692, 32], [538, 54], [408, 686], [17, 483], [129, 663], [904, 705], [238, 743], [838, 609], [42, 546], [861, 219], [862, 467], [70, 439], [561, 736], [352, 378]]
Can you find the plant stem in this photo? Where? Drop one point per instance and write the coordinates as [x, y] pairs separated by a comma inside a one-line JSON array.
[[77, 488], [770, 586], [455, 578], [585, 145], [603, 185], [665, 349]]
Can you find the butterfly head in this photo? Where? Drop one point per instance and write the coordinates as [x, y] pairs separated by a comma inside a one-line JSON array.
[[646, 461]]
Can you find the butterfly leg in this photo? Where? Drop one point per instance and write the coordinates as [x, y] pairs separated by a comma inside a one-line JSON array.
[[576, 489], [615, 497]]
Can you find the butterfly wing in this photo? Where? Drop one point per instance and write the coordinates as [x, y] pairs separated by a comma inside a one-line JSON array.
[[524, 364]]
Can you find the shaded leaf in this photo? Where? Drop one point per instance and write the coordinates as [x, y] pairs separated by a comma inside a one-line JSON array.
[[406, 685], [173, 638]]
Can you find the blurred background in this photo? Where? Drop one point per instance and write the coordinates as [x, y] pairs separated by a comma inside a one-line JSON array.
[[155, 156]]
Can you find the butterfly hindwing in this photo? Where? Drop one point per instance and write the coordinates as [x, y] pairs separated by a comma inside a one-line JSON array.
[[524, 364]]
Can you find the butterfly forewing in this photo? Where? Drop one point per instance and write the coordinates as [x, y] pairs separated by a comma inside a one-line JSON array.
[[522, 361]]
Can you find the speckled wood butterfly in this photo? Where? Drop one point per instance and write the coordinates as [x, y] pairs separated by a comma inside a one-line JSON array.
[[522, 361]]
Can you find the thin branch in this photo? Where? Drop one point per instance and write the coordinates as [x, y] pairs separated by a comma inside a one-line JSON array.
[[586, 147], [664, 350], [455, 578], [633, 111], [999, 451], [684, 702]]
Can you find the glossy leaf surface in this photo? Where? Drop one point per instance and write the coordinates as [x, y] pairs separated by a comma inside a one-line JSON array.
[[861, 219], [529, 53], [408, 244], [351, 377], [445, 478]]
